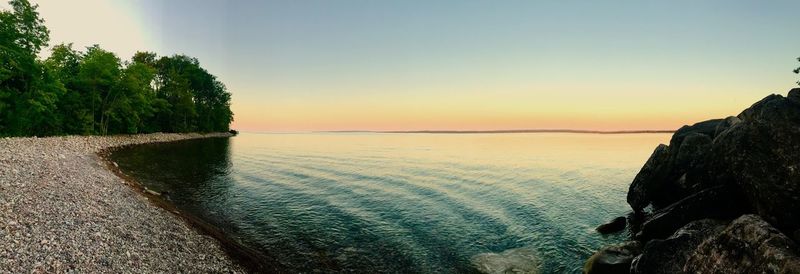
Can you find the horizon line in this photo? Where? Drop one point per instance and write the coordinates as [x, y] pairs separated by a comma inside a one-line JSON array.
[[499, 131]]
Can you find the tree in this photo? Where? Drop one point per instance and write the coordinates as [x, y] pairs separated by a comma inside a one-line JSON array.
[[28, 91], [94, 92], [98, 75], [65, 63]]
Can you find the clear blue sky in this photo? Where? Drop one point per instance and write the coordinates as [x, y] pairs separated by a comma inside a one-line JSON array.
[[315, 65]]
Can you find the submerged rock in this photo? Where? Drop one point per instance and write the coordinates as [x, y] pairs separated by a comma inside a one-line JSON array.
[[618, 224], [613, 259], [747, 245], [670, 255], [517, 260]]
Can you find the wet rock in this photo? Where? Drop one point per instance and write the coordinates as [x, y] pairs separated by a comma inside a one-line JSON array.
[[670, 255], [517, 260], [748, 245], [613, 259], [721, 202], [618, 224]]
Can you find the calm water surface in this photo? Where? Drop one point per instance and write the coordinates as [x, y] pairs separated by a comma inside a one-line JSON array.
[[402, 203]]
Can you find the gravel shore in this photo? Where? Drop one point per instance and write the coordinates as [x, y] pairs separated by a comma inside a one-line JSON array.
[[62, 210]]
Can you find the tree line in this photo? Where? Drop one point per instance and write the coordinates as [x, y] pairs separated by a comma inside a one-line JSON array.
[[94, 92]]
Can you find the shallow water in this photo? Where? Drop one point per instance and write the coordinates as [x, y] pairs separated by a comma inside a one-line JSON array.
[[403, 203]]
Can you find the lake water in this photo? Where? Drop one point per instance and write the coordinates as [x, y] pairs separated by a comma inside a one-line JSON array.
[[403, 203]]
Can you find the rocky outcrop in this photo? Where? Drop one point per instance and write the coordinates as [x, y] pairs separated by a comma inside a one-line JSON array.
[[675, 171], [747, 245], [723, 169], [613, 259], [761, 155], [670, 255]]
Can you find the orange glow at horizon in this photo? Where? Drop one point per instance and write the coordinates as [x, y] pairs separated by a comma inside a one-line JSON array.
[[480, 112]]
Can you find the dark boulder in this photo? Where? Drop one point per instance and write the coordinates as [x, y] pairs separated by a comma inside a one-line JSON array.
[[761, 155], [748, 245], [618, 224], [613, 259], [707, 128], [648, 179], [670, 255], [692, 150], [726, 124], [794, 95], [720, 202], [748, 113], [675, 171], [796, 236], [690, 162]]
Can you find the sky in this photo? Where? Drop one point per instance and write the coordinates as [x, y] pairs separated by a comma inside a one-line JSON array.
[[460, 65]]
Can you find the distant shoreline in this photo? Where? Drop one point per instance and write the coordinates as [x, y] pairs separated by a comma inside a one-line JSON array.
[[504, 131]]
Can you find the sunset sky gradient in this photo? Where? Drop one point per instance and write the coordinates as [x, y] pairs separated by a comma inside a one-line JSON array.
[[461, 65]]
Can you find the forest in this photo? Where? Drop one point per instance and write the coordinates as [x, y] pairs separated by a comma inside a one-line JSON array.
[[93, 92]]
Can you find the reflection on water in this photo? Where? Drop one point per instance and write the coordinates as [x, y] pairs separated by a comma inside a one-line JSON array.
[[410, 203]]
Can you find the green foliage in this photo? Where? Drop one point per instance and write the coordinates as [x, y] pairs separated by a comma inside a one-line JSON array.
[[94, 92]]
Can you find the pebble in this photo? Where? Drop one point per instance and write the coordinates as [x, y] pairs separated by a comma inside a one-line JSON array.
[[62, 213]]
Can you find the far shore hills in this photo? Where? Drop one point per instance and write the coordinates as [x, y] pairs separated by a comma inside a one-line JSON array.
[[503, 131]]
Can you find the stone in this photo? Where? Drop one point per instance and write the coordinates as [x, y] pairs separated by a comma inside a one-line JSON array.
[[761, 155], [692, 150], [794, 95], [616, 225], [657, 183], [613, 259], [517, 260], [670, 255], [726, 124], [720, 202], [708, 128], [796, 236], [648, 179], [748, 245]]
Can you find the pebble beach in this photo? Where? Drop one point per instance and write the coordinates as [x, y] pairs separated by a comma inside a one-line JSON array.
[[62, 210]]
